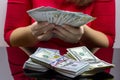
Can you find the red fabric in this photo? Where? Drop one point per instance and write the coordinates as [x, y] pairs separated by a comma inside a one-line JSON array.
[[17, 17], [104, 10], [16, 58], [105, 22]]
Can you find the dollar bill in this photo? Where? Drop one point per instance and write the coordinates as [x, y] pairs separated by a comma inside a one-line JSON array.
[[45, 56], [51, 59], [30, 65], [70, 67], [60, 17], [84, 54], [77, 61]]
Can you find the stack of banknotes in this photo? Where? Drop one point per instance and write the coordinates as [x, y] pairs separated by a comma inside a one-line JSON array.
[[60, 17], [77, 61], [30, 65], [84, 54]]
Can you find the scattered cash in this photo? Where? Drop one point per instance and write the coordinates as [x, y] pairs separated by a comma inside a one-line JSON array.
[[60, 17], [77, 61], [52, 59], [83, 54]]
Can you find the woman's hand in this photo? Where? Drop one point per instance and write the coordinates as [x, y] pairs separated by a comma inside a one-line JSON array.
[[42, 30], [68, 33]]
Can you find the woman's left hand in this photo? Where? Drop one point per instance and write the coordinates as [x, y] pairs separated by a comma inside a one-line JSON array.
[[68, 33]]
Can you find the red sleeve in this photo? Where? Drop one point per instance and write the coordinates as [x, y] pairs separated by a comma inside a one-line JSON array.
[[104, 11], [16, 16]]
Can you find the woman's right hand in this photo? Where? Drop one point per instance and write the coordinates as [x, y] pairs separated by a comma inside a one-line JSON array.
[[42, 30]]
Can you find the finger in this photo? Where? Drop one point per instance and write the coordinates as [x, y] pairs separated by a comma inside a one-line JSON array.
[[71, 29], [36, 33], [61, 30], [45, 37], [66, 38], [41, 37], [41, 25], [59, 35], [45, 29], [48, 36], [48, 28], [82, 29]]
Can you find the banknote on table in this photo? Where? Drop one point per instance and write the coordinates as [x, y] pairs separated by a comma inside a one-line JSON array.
[[45, 56], [52, 59], [30, 65], [83, 54], [77, 61], [60, 17], [69, 67]]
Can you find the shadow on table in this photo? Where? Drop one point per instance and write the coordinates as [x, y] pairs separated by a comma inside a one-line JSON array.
[[52, 75]]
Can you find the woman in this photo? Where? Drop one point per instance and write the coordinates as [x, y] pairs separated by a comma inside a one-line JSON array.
[[20, 30]]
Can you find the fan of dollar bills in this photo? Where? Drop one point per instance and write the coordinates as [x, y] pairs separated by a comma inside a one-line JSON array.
[[60, 17]]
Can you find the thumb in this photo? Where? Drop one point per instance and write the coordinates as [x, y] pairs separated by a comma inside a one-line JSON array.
[[82, 29]]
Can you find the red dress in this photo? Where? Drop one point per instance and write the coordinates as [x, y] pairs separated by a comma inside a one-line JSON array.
[[103, 10]]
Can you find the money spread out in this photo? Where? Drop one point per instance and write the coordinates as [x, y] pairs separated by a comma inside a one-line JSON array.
[[83, 54], [77, 61], [60, 17]]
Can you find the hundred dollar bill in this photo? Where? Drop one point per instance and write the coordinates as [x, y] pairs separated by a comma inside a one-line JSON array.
[[82, 53], [101, 64], [52, 59], [97, 67], [77, 61], [60, 17], [70, 67], [30, 65], [45, 56]]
